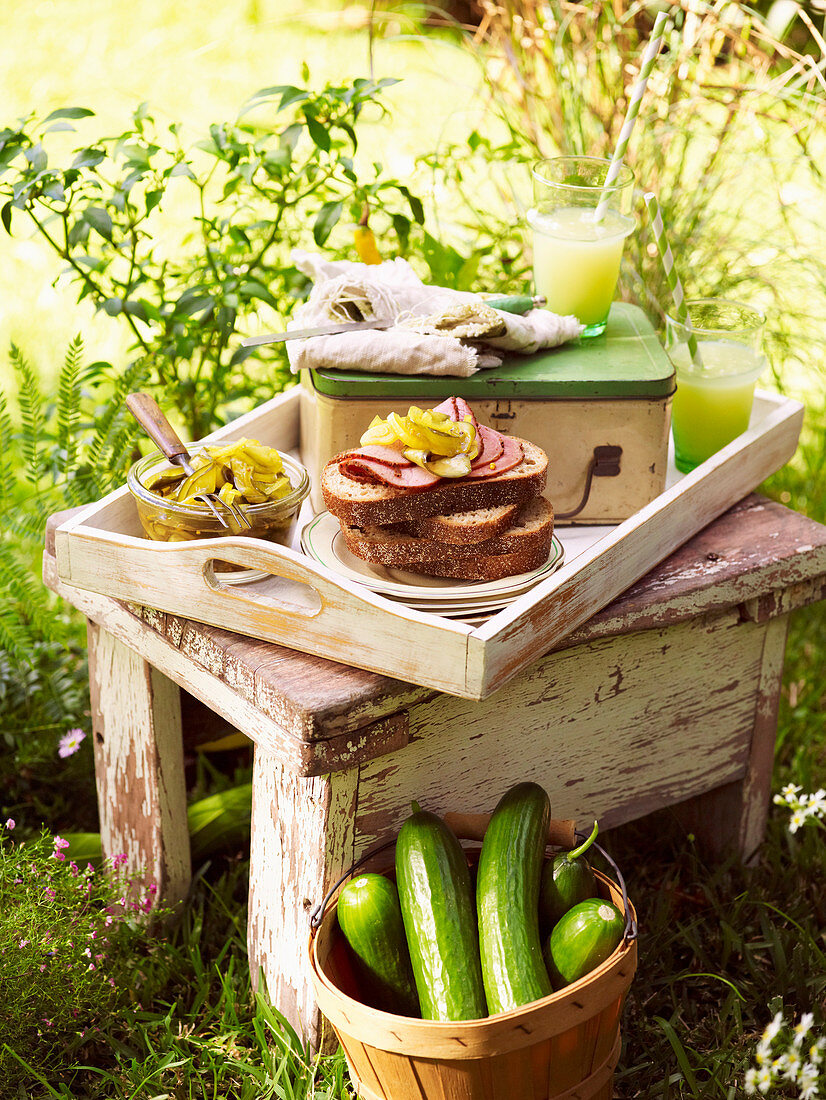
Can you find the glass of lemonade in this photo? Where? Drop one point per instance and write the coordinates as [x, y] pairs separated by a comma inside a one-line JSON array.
[[712, 405], [576, 259]]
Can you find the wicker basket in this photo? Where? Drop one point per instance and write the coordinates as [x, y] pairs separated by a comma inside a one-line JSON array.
[[563, 1047]]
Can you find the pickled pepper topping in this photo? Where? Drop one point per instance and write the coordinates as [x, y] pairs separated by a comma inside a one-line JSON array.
[[244, 472]]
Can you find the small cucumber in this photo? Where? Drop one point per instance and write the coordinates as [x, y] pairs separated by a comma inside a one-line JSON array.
[[371, 920], [439, 916], [565, 882], [582, 939], [507, 897]]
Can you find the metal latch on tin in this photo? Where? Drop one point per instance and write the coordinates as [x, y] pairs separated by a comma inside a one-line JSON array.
[[605, 462]]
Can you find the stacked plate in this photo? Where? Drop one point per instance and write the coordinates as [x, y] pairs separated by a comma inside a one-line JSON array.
[[321, 539]]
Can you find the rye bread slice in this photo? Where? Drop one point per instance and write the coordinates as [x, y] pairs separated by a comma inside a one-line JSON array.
[[393, 546], [360, 503], [492, 568], [463, 528]]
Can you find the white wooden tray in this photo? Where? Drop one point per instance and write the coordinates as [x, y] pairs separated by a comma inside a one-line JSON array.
[[310, 608]]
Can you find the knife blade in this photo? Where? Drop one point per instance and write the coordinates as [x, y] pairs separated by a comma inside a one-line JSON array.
[[520, 303], [319, 330]]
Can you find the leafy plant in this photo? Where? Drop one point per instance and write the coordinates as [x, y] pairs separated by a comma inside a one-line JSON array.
[[67, 949], [283, 173], [61, 448]]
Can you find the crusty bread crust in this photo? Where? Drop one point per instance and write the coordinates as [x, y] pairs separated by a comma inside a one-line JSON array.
[[393, 546], [361, 503], [493, 568], [465, 528]]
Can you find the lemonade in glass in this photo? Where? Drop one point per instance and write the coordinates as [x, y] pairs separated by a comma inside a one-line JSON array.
[[576, 259], [712, 405]]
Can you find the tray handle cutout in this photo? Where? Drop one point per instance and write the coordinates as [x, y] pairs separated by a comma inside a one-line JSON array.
[[605, 462], [285, 583]]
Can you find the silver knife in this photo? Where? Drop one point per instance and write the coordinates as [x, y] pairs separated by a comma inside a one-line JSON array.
[[319, 330]]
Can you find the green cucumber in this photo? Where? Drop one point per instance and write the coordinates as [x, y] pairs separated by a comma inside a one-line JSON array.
[[582, 939], [439, 916], [371, 920], [507, 899], [565, 882]]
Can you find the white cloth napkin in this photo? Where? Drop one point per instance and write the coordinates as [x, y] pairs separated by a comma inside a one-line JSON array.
[[347, 291]]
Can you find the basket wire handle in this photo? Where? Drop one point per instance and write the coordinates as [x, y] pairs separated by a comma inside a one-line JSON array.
[[631, 928]]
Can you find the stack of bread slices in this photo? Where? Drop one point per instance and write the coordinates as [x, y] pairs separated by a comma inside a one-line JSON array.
[[489, 524]]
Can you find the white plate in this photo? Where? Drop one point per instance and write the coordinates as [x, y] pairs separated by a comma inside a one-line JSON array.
[[321, 539]]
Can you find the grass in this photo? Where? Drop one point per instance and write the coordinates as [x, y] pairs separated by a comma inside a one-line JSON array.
[[721, 945]]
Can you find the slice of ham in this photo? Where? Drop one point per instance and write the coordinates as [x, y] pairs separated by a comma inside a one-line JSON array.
[[457, 409], [387, 466], [510, 457], [492, 445]]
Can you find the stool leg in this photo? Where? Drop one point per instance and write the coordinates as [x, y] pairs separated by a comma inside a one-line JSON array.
[[136, 722], [733, 816], [302, 841]]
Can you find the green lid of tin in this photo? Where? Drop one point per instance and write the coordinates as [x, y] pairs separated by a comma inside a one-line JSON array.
[[626, 361]]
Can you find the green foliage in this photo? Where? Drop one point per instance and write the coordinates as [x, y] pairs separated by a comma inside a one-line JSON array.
[[60, 448], [69, 943], [282, 174]]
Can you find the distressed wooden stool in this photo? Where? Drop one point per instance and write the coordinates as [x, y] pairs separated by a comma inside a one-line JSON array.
[[668, 697]]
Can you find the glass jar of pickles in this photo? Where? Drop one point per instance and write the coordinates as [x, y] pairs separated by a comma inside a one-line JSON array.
[[267, 485]]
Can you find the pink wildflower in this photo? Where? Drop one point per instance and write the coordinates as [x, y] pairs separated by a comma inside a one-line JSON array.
[[49, 892], [75, 868], [23, 943], [70, 742], [57, 854], [10, 823], [59, 842], [108, 920]]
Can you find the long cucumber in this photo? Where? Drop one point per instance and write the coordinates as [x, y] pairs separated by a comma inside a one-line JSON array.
[[371, 920], [439, 916], [507, 898]]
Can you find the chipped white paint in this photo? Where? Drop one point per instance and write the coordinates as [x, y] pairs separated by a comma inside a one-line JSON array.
[[302, 841], [136, 723], [618, 728]]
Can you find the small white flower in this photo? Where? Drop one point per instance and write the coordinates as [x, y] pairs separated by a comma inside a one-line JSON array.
[[817, 803], [773, 1028], [750, 1083], [803, 1028], [816, 1052], [764, 1079], [790, 790], [798, 818], [807, 1081], [793, 1063]]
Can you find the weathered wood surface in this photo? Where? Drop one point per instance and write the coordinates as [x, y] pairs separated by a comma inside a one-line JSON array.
[[759, 557], [613, 729], [732, 817], [136, 726], [302, 842], [104, 550]]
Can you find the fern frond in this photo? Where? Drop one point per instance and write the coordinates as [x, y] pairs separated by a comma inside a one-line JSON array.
[[68, 404], [30, 400], [24, 611], [7, 451]]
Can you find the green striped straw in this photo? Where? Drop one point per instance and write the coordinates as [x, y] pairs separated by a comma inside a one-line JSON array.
[[649, 57], [671, 275]]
